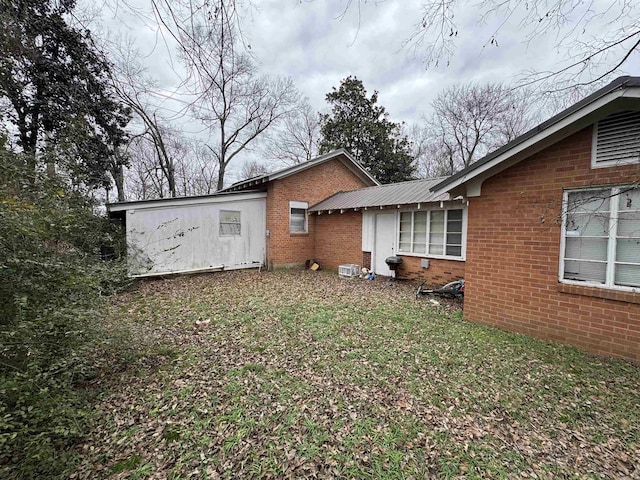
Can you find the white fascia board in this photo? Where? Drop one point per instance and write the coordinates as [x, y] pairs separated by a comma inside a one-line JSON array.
[[186, 201], [485, 171]]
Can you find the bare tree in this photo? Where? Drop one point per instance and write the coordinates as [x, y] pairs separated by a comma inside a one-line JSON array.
[[196, 170], [596, 39], [233, 101], [143, 177], [253, 168], [469, 121], [136, 90], [428, 156], [295, 139]]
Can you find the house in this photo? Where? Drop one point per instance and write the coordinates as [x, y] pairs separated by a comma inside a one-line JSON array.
[[553, 233], [259, 221], [365, 226], [545, 230]]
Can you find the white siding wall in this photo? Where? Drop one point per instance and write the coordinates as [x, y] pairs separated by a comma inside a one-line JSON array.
[[179, 237], [368, 230]]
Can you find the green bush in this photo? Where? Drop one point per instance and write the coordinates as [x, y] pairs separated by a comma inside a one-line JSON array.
[[52, 282]]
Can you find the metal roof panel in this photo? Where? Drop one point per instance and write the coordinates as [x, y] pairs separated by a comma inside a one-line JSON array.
[[404, 193]]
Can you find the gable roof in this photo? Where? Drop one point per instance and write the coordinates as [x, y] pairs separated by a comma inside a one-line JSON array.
[[404, 193], [341, 154], [622, 92]]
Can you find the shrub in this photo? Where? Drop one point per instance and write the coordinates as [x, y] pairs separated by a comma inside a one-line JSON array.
[[52, 282]]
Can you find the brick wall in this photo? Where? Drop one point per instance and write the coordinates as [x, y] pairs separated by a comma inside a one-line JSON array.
[[439, 272], [311, 186], [513, 248], [339, 239]]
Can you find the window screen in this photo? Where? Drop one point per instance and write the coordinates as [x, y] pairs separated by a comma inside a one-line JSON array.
[[229, 223], [602, 236], [298, 217]]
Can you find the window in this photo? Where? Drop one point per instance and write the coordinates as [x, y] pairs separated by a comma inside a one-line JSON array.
[[298, 217], [229, 223], [601, 233], [616, 140], [434, 232]]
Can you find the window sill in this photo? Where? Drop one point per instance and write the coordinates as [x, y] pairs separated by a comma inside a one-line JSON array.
[[600, 292], [430, 257], [299, 234]]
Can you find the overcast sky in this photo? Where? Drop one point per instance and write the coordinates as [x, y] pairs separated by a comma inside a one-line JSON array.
[[311, 42]]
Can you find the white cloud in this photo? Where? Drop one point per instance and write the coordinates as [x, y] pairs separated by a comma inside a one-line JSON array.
[[313, 44]]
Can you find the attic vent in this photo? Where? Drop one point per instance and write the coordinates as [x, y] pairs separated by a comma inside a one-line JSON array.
[[617, 140]]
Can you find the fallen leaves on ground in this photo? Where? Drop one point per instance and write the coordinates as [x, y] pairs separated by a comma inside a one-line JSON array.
[[306, 375]]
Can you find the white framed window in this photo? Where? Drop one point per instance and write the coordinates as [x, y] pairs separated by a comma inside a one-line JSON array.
[[230, 223], [439, 233], [298, 218], [601, 237], [616, 140]]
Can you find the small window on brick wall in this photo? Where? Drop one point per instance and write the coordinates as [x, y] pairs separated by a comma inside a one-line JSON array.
[[616, 140], [298, 217], [601, 237]]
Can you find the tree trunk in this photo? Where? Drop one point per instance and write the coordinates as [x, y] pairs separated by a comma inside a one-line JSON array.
[[221, 176]]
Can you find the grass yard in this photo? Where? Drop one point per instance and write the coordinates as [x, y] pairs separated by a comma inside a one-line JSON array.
[[301, 374]]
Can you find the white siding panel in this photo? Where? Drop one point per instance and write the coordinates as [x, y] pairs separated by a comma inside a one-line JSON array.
[[368, 230], [186, 238]]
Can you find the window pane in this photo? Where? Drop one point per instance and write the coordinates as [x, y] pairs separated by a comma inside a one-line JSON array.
[[454, 215], [628, 250], [436, 232], [586, 248], [228, 216], [454, 239], [629, 224], [585, 271], [227, 229], [405, 238], [588, 224], [628, 275], [420, 222], [589, 201], [419, 247], [420, 232], [229, 223], [297, 223], [454, 250], [405, 218]]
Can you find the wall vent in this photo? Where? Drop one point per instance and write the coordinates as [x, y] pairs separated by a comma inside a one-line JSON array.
[[617, 140]]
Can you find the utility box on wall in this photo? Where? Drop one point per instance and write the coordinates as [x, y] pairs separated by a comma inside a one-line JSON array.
[[424, 263]]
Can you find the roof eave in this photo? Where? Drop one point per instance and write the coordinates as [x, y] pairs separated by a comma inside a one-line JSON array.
[[619, 89]]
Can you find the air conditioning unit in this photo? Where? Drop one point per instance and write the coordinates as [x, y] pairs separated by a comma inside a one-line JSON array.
[[349, 270]]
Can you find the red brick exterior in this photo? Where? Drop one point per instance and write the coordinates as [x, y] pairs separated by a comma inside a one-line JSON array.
[[311, 186], [440, 271], [339, 239], [513, 249]]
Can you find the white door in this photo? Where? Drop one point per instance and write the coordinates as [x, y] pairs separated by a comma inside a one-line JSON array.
[[385, 240]]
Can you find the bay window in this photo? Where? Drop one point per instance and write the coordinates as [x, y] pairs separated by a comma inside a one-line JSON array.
[[601, 237], [433, 232]]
